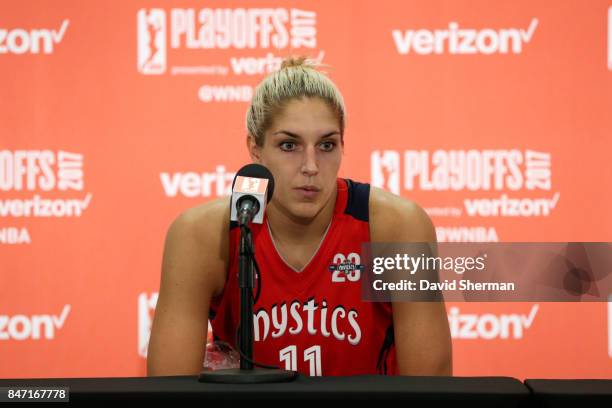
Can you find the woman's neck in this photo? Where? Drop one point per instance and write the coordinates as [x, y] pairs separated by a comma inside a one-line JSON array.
[[289, 229]]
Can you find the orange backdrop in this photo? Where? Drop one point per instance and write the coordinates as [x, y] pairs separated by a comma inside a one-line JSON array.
[[117, 116]]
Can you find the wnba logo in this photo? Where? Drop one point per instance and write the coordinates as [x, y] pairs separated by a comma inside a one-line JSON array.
[[250, 185], [151, 41], [146, 310], [456, 170], [385, 167], [610, 323], [610, 57]]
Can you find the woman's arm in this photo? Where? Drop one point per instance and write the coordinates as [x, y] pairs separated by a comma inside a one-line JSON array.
[[193, 271], [422, 335]]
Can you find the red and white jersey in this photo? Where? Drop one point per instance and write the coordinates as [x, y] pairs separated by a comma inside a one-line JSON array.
[[313, 320]]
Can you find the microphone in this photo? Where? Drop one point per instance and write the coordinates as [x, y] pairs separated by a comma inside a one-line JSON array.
[[252, 188]]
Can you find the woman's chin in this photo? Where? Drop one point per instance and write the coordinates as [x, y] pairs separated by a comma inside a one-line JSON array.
[[305, 210]]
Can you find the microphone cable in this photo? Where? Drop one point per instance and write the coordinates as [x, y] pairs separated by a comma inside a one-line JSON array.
[[251, 254]]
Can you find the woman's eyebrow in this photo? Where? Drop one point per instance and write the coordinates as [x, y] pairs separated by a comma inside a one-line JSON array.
[[296, 136], [330, 134], [286, 132]]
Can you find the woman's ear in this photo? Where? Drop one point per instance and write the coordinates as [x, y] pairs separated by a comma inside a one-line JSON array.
[[254, 149]]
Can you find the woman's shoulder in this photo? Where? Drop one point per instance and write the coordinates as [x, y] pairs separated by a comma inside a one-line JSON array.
[[196, 247], [202, 217], [205, 224], [394, 218]]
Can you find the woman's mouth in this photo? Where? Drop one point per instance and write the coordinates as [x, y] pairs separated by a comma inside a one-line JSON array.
[[308, 191]]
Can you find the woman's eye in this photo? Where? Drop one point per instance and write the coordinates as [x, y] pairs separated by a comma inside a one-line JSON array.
[[327, 146], [287, 146]]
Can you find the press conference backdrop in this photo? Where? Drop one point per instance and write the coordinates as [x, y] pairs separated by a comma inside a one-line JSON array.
[[496, 117]]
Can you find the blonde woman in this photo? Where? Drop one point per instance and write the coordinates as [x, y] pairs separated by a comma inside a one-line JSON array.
[[309, 316]]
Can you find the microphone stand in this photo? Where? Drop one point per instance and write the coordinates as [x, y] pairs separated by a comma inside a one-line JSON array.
[[247, 373]]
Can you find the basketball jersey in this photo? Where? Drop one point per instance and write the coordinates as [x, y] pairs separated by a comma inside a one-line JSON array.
[[313, 321]]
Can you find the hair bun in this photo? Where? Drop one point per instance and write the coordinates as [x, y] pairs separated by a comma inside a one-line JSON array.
[[290, 62]]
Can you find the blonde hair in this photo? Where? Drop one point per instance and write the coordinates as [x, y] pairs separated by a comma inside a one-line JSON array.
[[298, 77]]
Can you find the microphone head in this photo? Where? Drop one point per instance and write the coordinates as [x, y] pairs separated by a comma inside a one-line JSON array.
[[255, 170]]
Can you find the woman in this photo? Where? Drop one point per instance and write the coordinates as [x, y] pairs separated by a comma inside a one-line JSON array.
[[309, 316]]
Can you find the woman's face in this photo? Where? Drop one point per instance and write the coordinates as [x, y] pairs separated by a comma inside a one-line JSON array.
[[303, 150]]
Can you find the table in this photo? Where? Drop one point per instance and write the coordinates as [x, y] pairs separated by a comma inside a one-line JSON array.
[[462, 391], [555, 393]]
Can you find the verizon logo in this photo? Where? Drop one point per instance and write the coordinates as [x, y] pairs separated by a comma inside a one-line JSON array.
[[511, 207], [456, 40], [34, 41], [490, 326], [35, 327], [192, 184]]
